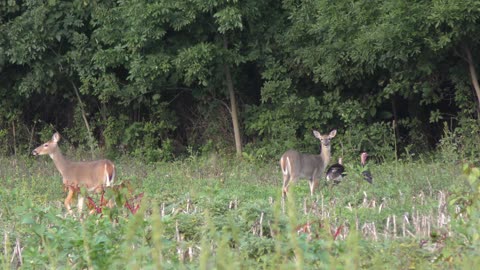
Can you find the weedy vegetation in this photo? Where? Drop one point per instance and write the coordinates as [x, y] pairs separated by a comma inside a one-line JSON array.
[[209, 212]]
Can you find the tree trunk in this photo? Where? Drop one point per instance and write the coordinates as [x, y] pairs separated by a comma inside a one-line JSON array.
[[473, 76], [84, 116], [395, 123], [233, 104], [395, 116]]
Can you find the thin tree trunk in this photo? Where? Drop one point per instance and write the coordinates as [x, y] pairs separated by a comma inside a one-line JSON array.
[[14, 139], [473, 75], [84, 116], [233, 104], [395, 117]]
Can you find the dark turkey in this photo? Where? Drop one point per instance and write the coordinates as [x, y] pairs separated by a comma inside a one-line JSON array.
[[336, 172]]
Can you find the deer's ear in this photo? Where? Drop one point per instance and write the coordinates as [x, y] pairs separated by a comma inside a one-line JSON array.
[[56, 137], [332, 133], [317, 134]]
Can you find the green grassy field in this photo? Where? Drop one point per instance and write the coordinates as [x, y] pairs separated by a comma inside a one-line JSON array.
[[216, 213]]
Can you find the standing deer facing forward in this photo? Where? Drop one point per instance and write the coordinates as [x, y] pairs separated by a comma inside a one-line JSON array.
[[93, 175], [296, 165]]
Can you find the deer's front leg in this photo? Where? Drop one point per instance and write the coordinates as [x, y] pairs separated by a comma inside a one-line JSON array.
[[314, 185], [313, 182], [68, 200]]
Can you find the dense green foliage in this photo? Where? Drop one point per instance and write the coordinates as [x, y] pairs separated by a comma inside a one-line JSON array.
[[150, 78]]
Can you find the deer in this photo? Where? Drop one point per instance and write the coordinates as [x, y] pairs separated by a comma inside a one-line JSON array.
[[92, 175], [297, 165]]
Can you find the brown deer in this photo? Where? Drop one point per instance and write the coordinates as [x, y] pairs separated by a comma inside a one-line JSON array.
[[296, 165], [92, 175]]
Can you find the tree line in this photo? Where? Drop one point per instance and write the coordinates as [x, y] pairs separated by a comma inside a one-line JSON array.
[[159, 79]]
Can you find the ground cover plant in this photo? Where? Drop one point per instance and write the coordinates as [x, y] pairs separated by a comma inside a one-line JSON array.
[[209, 212]]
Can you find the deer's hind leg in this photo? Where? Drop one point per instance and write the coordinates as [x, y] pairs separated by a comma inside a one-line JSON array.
[[288, 177], [286, 183], [80, 202]]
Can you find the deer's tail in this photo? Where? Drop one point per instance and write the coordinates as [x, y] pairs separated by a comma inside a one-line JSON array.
[[285, 165], [109, 173]]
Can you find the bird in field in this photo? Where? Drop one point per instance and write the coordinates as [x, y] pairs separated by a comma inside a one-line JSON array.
[[367, 175], [336, 172]]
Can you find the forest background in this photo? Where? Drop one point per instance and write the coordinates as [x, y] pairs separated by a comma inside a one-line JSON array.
[[161, 79]]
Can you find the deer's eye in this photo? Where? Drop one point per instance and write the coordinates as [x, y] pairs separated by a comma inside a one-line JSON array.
[[45, 145]]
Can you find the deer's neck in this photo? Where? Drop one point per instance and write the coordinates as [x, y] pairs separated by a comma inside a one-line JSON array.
[[60, 161], [325, 155]]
